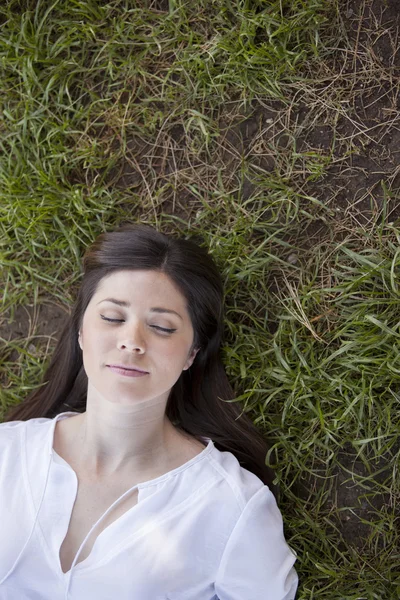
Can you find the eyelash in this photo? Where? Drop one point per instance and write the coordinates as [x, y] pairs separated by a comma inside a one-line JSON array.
[[164, 329]]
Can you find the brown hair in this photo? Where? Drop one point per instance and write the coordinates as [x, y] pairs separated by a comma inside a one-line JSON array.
[[199, 402]]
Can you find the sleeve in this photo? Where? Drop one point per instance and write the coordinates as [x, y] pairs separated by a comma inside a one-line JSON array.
[[257, 563]]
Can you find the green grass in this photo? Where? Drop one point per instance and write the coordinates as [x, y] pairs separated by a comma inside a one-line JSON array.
[[124, 111]]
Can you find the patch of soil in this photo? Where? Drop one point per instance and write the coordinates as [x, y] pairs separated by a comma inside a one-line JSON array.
[[358, 507], [41, 325], [357, 494], [337, 138], [364, 172], [375, 25]]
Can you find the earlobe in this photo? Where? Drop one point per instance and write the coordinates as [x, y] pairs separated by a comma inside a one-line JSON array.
[[191, 358]]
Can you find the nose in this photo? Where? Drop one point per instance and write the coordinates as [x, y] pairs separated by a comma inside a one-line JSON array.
[[132, 339]]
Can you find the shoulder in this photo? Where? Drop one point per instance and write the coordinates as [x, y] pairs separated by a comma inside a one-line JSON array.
[[14, 434], [11, 433], [12, 441], [13, 429], [246, 498], [233, 492], [240, 483]]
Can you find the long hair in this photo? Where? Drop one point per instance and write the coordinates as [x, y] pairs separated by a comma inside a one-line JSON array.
[[201, 401]]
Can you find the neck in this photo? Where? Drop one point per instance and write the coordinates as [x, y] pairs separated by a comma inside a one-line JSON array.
[[111, 438]]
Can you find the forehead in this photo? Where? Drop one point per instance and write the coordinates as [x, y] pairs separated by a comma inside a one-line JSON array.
[[139, 286]]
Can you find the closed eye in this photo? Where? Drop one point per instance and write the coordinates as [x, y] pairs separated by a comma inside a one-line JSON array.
[[163, 329], [112, 320]]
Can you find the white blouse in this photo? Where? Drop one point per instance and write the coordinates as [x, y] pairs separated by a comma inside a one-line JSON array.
[[207, 530]]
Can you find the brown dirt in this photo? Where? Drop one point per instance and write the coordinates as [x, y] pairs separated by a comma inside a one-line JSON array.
[[346, 117], [36, 327], [357, 496]]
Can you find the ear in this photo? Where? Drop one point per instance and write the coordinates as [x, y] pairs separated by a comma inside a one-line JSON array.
[[191, 358]]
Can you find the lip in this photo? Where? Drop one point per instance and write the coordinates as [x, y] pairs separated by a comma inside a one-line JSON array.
[[127, 372]]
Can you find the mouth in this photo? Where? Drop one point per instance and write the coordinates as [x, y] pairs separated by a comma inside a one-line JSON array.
[[127, 371]]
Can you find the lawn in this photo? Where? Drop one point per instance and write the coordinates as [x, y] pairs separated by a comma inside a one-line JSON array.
[[270, 132]]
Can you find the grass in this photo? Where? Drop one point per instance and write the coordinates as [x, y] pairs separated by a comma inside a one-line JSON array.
[[190, 117]]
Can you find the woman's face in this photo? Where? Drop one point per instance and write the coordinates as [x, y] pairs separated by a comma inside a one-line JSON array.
[[138, 320]]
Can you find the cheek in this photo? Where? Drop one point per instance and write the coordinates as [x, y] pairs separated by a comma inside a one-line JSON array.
[[175, 355], [94, 344]]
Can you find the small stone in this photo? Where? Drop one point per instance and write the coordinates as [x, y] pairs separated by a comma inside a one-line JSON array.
[[292, 258]]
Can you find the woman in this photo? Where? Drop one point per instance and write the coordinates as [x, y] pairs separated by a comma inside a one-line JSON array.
[[127, 474]]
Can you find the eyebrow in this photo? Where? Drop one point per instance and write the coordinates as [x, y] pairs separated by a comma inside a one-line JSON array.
[[156, 309]]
